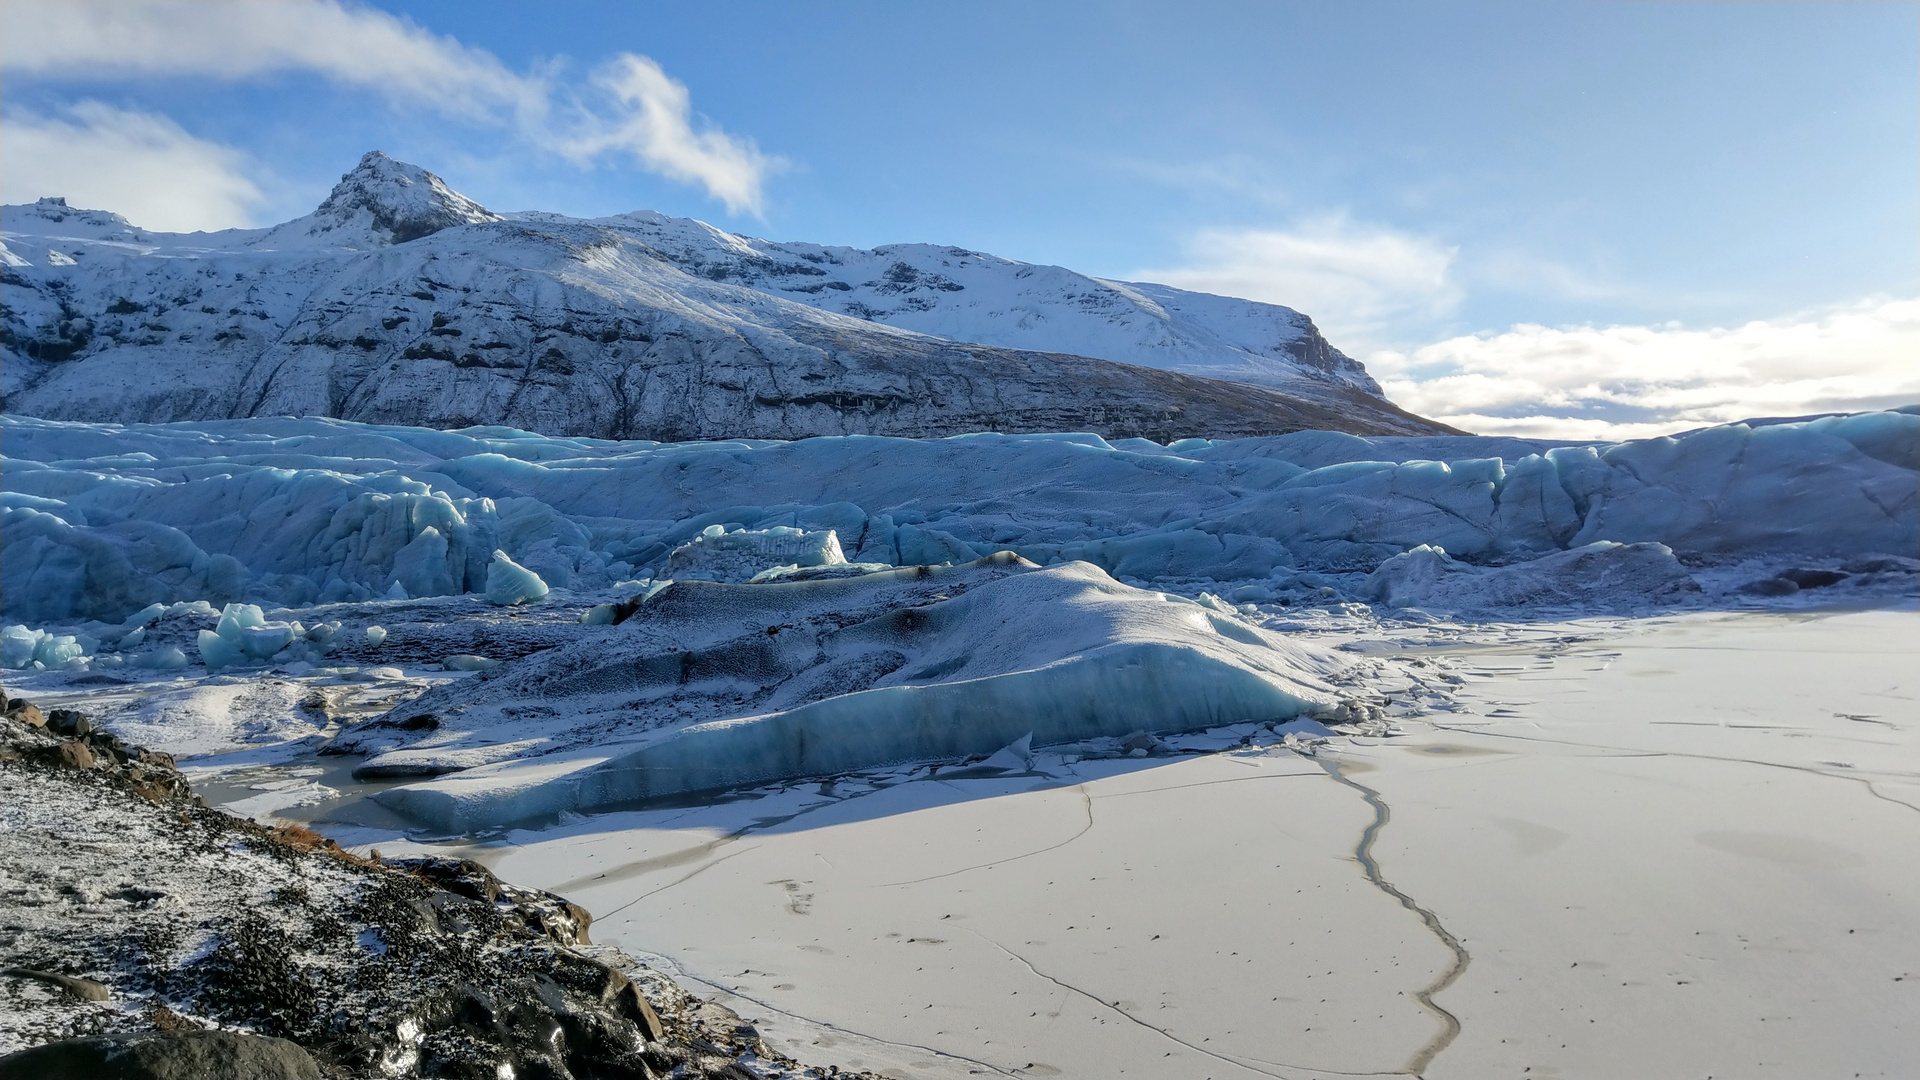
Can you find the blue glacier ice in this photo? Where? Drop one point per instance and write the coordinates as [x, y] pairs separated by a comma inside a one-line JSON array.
[[100, 521], [509, 583]]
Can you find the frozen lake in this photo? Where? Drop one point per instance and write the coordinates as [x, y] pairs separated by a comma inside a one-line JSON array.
[[1672, 847]]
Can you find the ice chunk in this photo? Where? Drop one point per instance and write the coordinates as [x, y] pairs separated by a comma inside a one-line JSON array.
[[264, 641], [205, 718], [146, 615], [719, 555], [245, 636], [217, 651], [58, 650], [468, 662], [235, 619], [1304, 729], [16, 646], [1017, 754], [165, 658], [743, 684], [510, 583], [376, 635], [24, 647]]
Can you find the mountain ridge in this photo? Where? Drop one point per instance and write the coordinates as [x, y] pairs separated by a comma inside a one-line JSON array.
[[400, 300]]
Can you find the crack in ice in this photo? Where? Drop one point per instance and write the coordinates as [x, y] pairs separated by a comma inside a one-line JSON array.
[[1363, 853], [682, 973], [1114, 1007], [1621, 751], [1085, 799]]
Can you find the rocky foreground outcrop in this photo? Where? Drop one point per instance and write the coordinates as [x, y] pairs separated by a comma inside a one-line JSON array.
[[145, 934]]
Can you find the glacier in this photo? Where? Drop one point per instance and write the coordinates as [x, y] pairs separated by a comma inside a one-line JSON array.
[[101, 521], [710, 685]]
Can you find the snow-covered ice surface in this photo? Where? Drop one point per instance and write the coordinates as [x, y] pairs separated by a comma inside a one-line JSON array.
[[1667, 847]]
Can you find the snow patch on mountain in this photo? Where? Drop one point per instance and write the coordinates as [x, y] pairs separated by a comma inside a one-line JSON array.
[[967, 295]]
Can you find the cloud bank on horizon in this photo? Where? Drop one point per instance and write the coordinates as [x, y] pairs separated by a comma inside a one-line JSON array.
[[1366, 285], [1390, 296]]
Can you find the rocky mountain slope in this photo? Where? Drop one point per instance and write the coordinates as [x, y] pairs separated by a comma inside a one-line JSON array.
[[399, 300]]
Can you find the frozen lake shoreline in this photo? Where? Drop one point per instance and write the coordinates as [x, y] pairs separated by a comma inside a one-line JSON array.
[[1668, 847]]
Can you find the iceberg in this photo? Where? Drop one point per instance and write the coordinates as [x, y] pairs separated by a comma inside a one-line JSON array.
[[509, 583], [710, 685]]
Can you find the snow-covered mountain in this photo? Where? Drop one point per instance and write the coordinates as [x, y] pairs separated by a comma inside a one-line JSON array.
[[399, 300], [966, 295]]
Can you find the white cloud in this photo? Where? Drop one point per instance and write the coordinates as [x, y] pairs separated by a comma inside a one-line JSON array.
[[630, 106], [1352, 278], [352, 45], [1632, 381], [655, 125], [141, 165]]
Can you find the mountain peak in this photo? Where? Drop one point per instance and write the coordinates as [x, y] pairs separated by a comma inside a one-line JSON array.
[[394, 202]]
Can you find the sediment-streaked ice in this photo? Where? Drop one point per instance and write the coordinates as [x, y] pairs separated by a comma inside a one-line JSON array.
[[711, 685]]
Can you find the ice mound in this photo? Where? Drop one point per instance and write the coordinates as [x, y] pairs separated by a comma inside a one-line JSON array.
[[718, 554], [1599, 573], [712, 685]]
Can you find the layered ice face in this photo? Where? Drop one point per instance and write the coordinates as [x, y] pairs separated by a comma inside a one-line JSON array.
[[102, 521]]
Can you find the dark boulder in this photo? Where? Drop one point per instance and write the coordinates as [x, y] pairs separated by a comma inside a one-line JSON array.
[[163, 1055], [1813, 579]]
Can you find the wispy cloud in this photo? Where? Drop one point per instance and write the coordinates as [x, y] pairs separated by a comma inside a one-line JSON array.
[[140, 165], [1353, 278], [629, 107], [654, 124], [1630, 381]]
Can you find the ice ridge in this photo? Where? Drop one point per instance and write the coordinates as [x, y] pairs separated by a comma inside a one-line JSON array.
[[100, 521]]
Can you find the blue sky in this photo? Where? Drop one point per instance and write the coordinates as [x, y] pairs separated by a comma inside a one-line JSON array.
[[1514, 213]]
